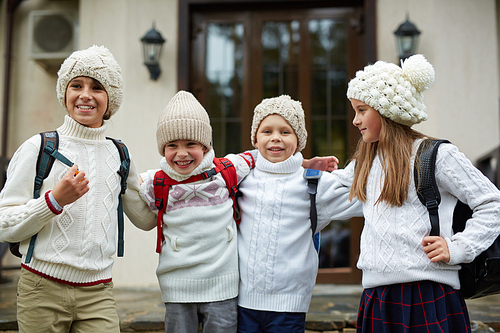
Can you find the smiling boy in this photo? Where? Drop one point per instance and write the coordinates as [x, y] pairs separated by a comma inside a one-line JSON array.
[[278, 261], [66, 285], [198, 264]]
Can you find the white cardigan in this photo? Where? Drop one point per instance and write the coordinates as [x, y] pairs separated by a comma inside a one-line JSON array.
[[278, 262], [391, 250], [77, 245]]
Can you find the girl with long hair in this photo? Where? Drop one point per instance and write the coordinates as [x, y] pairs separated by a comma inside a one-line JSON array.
[[410, 279]]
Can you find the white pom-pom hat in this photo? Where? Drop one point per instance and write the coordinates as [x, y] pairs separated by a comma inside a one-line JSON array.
[[395, 92]]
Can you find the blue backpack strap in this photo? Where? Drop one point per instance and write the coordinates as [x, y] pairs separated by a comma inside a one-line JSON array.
[[49, 143], [123, 172], [312, 176]]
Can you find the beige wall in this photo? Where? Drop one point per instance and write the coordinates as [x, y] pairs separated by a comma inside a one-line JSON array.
[[459, 37], [144, 99]]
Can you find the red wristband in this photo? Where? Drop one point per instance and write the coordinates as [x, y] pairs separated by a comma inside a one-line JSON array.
[[51, 207]]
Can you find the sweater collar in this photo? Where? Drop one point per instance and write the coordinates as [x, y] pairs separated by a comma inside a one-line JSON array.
[[71, 127], [290, 165], [205, 164]]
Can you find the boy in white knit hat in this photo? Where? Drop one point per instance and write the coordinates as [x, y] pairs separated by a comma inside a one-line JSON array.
[[66, 284], [277, 257]]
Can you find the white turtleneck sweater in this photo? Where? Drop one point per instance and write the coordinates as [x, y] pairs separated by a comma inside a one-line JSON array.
[[75, 247], [391, 249], [278, 262], [198, 260]]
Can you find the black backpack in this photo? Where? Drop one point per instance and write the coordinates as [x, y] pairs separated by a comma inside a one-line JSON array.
[[46, 156], [481, 277]]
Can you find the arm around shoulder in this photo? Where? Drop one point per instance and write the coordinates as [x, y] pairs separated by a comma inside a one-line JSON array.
[[333, 200]]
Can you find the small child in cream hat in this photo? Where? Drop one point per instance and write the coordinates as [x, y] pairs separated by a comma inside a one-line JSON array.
[[278, 260], [198, 264], [74, 221]]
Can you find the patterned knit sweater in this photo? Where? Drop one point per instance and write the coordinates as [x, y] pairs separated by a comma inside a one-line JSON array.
[[198, 260], [75, 247], [391, 250], [278, 262]]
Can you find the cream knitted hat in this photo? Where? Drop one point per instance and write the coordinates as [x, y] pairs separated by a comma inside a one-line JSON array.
[[287, 108], [95, 62], [184, 118], [395, 92]]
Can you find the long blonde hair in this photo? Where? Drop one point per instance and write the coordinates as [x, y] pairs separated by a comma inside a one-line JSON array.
[[394, 149]]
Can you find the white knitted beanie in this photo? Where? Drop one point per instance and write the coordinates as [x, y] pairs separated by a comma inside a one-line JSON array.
[[95, 62], [184, 118], [286, 107], [395, 92]]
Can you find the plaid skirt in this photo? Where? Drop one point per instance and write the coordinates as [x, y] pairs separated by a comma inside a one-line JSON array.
[[417, 307]]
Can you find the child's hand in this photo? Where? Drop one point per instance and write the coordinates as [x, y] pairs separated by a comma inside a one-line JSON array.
[[328, 163], [436, 248], [71, 187]]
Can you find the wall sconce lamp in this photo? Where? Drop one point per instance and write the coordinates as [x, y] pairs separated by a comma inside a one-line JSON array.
[[152, 43], [406, 39]]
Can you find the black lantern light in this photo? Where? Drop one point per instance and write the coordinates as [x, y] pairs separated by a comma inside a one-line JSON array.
[[152, 43], [407, 39]]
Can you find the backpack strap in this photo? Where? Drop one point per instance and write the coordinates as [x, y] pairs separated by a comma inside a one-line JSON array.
[[46, 157], [161, 189], [312, 176], [162, 183], [424, 173], [228, 172], [49, 140], [123, 172]]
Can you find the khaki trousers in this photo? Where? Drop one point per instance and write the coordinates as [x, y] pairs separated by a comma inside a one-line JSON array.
[[44, 305]]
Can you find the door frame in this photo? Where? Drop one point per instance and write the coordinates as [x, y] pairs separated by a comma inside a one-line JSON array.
[[186, 8]]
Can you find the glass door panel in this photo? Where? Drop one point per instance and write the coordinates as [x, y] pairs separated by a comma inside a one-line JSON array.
[[280, 58], [328, 87], [223, 84]]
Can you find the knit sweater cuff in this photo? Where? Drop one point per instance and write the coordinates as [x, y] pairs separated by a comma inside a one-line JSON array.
[[457, 255], [52, 203]]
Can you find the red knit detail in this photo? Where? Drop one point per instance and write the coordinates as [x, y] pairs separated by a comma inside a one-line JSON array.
[[74, 284], [249, 159], [51, 207]]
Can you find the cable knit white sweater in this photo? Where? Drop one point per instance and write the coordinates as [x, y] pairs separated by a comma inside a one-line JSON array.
[[278, 262], [391, 250], [77, 245], [198, 260]]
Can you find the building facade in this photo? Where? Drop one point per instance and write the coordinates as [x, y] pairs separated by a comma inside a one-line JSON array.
[[233, 53]]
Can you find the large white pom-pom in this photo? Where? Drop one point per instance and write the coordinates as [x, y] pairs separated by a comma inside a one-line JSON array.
[[418, 71]]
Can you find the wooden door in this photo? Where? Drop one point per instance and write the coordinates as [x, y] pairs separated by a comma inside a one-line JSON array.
[[238, 58]]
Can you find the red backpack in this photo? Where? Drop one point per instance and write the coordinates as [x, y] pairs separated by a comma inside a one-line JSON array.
[[162, 183]]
